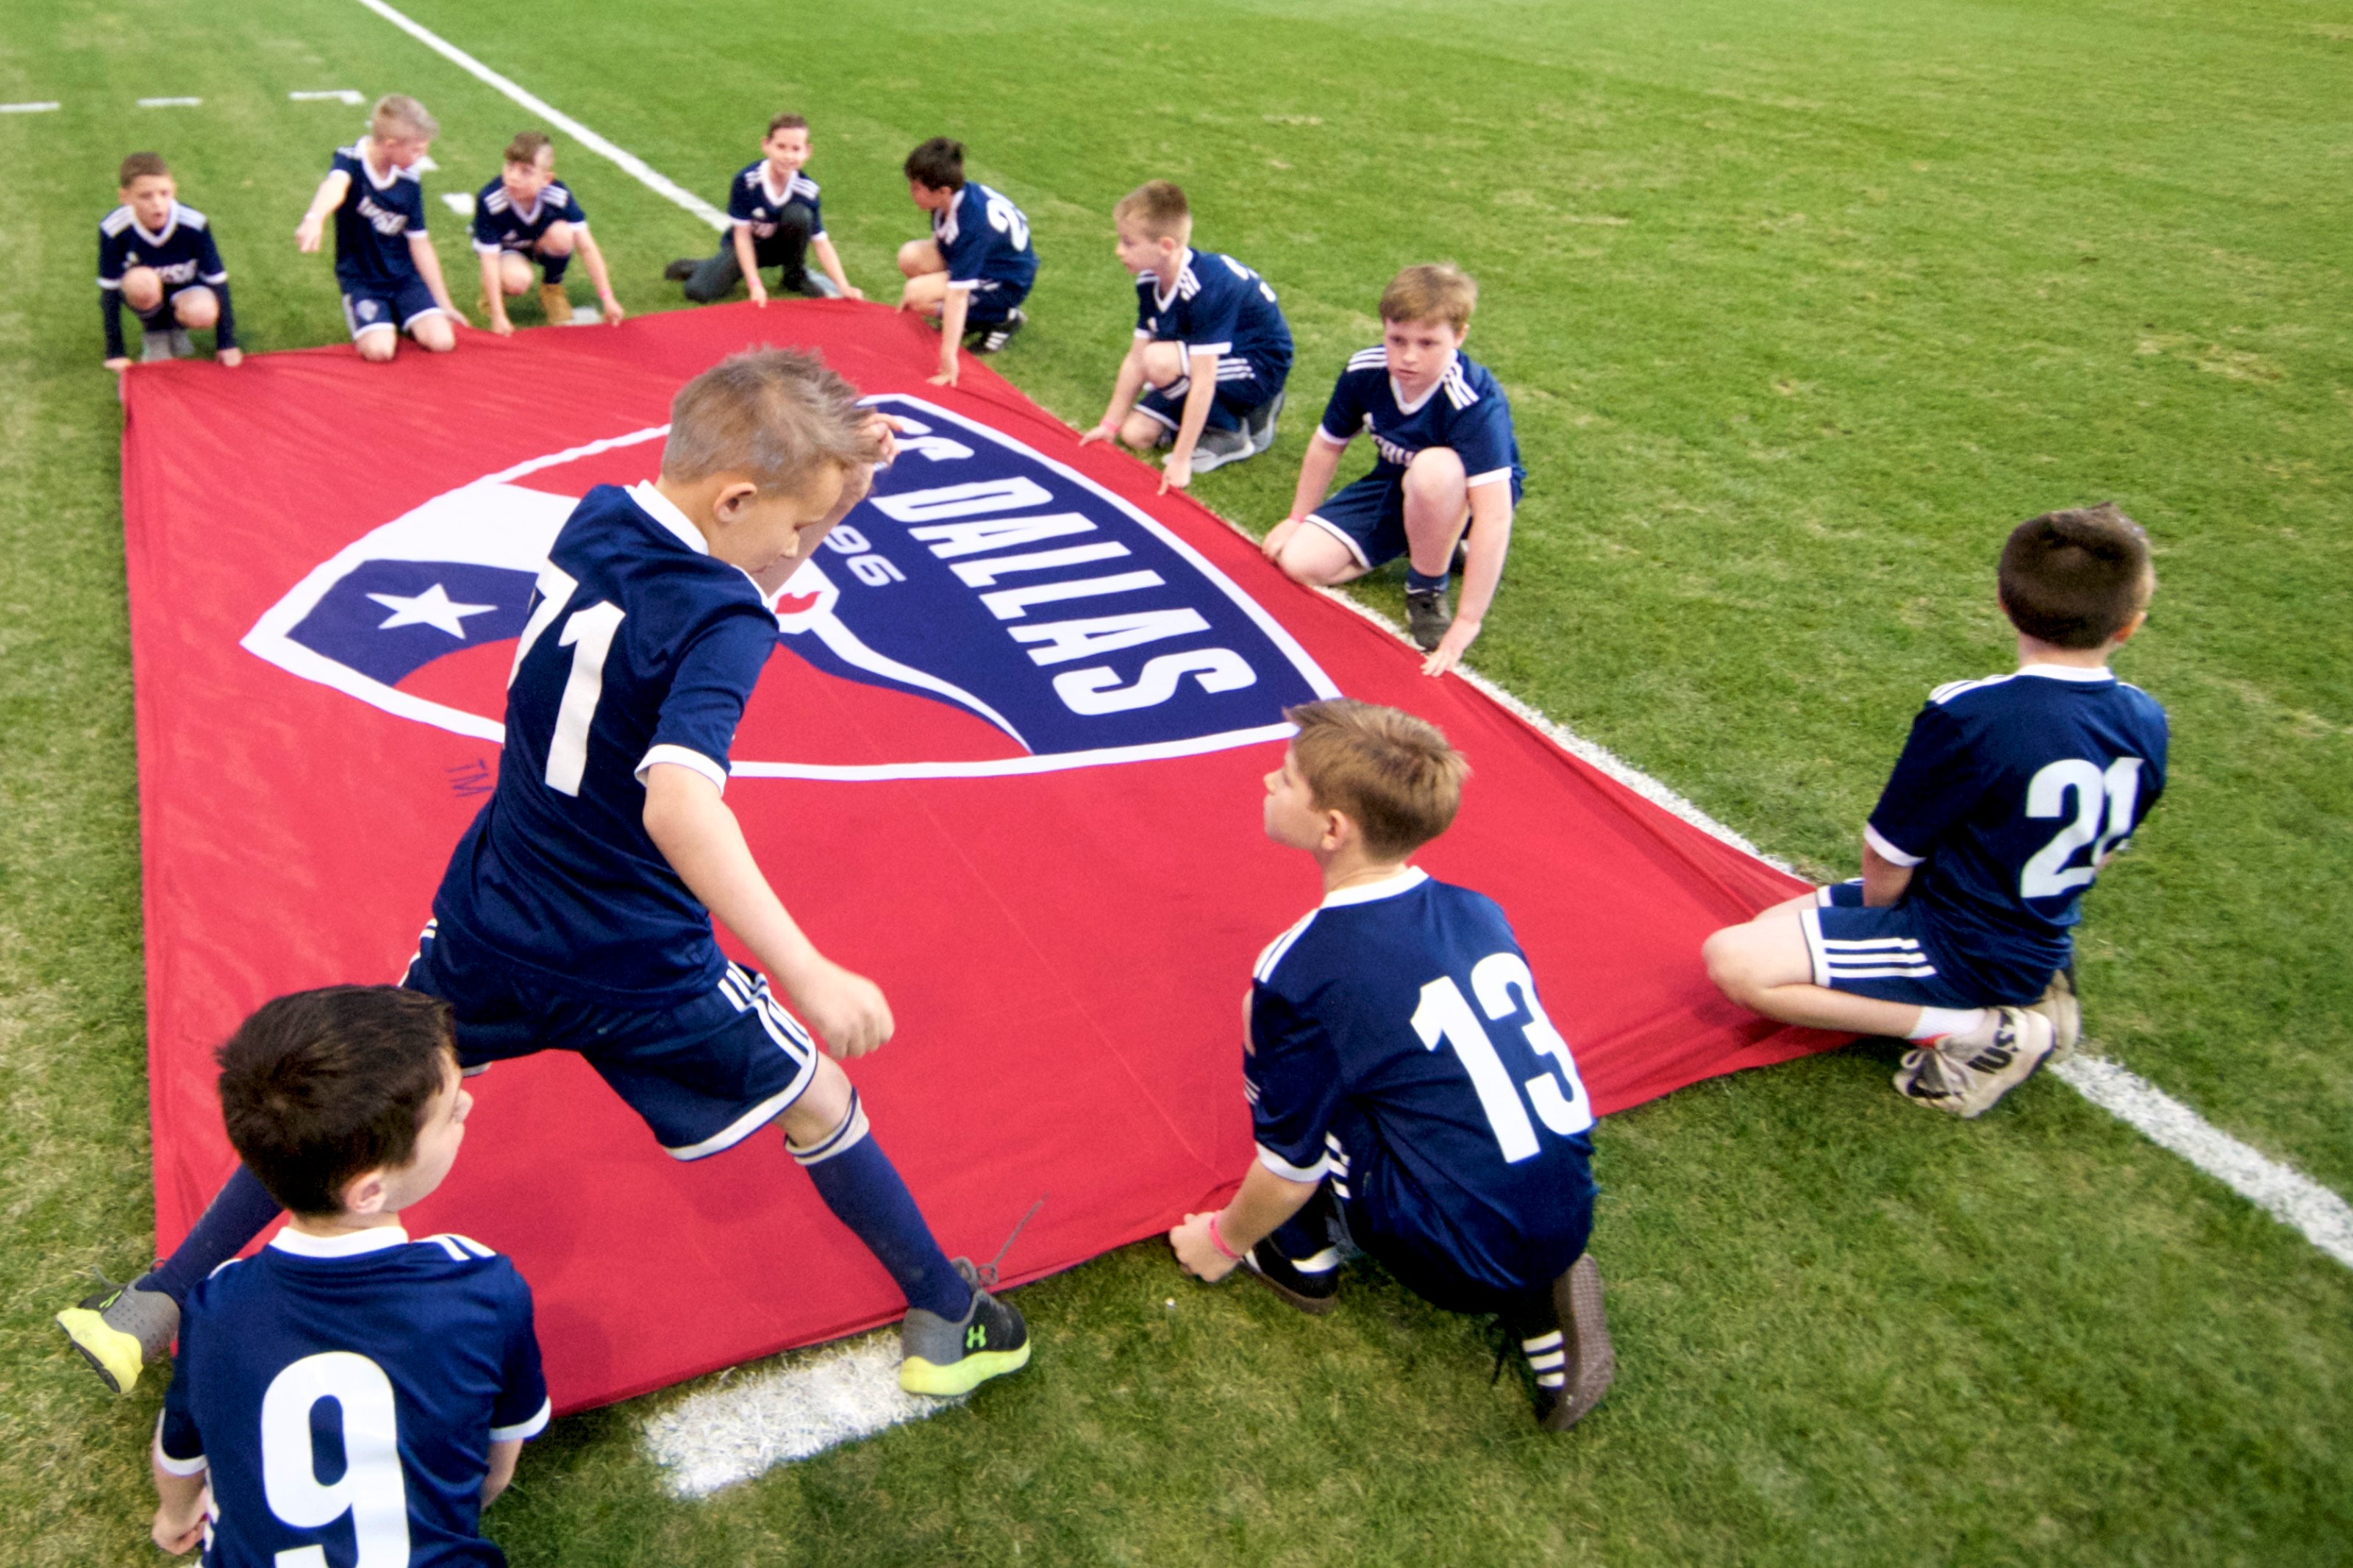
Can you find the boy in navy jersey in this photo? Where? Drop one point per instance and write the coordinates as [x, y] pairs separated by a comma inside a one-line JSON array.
[[384, 261], [1445, 457], [976, 268], [159, 257], [1407, 1093], [407, 1369], [577, 912], [1204, 376], [774, 221], [523, 217], [2012, 792]]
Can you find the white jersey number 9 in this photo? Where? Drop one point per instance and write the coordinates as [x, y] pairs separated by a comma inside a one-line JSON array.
[[370, 1489]]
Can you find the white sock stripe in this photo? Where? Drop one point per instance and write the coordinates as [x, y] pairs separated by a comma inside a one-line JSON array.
[[1549, 1361], [1550, 1341], [847, 1134], [1322, 1262]]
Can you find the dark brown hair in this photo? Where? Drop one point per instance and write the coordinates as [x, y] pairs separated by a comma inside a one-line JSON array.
[[323, 1086], [528, 145], [1392, 773], [143, 165], [939, 163], [2074, 579], [787, 120]]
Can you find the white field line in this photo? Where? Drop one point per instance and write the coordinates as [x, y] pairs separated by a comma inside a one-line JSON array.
[[26, 108], [631, 163], [169, 102], [332, 95], [459, 201], [808, 1403], [844, 1393]]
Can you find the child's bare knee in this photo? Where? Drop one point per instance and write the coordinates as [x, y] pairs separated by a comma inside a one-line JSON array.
[[196, 308], [1143, 434], [915, 257], [822, 1106], [1163, 364], [514, 273], [376, 348], [434, 336], [557, 240], [143, 289], [1435, 471]]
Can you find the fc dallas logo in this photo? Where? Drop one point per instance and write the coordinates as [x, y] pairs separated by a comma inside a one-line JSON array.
[[1001, 613]]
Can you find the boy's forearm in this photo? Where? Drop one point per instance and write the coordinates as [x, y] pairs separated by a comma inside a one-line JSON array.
[[830, 261], [494, 288], [1129, 384], [329, 195], [953, 310], [747, 257], [704, 844], [1264, 1203], [1883, 882], [1490, 541], [109, 311], [429, 267], [503, 1454], [1315, 471], [225, 324], [1199, 397]]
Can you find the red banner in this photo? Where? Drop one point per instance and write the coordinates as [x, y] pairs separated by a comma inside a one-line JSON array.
[[1027, 804]]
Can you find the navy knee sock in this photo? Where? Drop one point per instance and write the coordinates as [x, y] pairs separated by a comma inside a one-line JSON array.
[[863, 1188], [1419, 582], [551, 267], [235, 1215]]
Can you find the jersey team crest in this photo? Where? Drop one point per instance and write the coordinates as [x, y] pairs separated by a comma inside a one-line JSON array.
[[1040, 621]]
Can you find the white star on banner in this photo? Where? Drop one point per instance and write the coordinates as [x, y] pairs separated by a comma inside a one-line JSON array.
[[433, 607]]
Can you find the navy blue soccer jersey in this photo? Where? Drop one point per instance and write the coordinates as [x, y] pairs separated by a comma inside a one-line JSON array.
[[984, 239], [1407, 1007], [500, 224], [638, 648], [374, 224], [184, 255], [755, 201], [2010, 792], [1218, 307], [343, 1394], [1465, 412]]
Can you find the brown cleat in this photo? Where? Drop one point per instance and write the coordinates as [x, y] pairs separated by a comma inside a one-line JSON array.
[[1578, 1350], [2060, 1004], [553, 301]]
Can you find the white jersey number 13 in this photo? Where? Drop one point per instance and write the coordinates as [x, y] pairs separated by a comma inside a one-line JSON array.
[[1504, 987]]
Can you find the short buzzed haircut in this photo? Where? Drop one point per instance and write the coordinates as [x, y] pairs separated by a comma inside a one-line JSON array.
[[1158, 208], [2074, 579], [324, 1086], [1392, 773], [143, 166], [1437, 292], [773, 415], [528, 145], [939, 163], [397, 113], [787, 120]]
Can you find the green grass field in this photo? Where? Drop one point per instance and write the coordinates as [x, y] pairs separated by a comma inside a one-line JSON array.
[[1800, 304]]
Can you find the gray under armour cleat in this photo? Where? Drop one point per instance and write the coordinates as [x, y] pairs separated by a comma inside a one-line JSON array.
[[121, 1329], [1969, 1074], [1215, 448], [945, 1359], [1427, 618]]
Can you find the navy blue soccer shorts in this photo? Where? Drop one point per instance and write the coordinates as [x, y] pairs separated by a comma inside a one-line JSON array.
[[164, 317], [1243, 387], [400, 308], [990, 303], [1895, 955], [705, 1074], [1368, 516]]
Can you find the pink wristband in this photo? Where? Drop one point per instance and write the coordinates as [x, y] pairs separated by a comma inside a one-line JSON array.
[[1218, 1240]]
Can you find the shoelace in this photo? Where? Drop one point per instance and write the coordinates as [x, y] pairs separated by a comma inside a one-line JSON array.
[[986, 1272]]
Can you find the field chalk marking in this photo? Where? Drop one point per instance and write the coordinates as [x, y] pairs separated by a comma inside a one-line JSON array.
[[812, 1402], [332, 95], [631, 163], [169, 102], [26, 108], [802, 1406]]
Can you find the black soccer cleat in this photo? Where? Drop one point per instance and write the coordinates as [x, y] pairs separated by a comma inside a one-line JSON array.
[[681, 269], [1312, 1290], [989, 339], [1569, 1350], [1427, 617]]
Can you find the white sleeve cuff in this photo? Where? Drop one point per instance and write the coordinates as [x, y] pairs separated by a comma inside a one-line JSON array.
[[967, 284], [1878, 840], [532, 1428], [684, 757], [1289, 1171], [117, 283], [1209, 348], [1331, 440], [170, 1465], [481, 249], [813, 238], [1491, 477], [1139, 332]]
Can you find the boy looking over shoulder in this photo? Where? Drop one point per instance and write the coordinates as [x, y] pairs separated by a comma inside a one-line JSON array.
[[2011, 794], [1205, 374], [160, 258], [390, 277], [976, 268], [418, 1357], [1406, 1089], [523, 217], [775, 221], [577, 912], [1445, 457]]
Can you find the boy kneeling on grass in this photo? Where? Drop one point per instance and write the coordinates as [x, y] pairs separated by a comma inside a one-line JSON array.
[[1407, 1093], [2010, 795], [160, 258], [407, 1369]]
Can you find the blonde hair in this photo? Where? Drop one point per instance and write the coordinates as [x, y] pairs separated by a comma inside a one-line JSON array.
[[1158, 208], [1389, 772], [772, 415], [1437, 292], [396, 112]]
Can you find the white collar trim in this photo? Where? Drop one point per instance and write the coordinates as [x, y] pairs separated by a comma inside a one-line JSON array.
[[1162, 301], [1404, 881], [350, 1243], [664, 510], [1437, 381], [775, 195], [171, 224], [367, 165], [2067, 673]]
